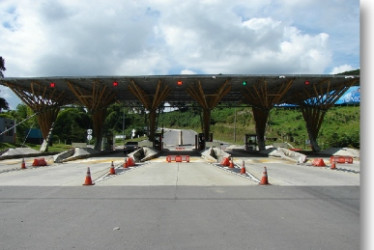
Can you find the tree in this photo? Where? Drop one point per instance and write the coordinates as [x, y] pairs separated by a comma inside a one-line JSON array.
[[71, 125], [3, 102], [2, 66]]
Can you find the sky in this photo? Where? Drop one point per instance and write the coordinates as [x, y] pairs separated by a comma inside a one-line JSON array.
[[158, 37]]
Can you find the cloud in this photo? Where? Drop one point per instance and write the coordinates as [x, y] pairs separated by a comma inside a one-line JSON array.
[[67, 37], [341, 69], [116, 37]]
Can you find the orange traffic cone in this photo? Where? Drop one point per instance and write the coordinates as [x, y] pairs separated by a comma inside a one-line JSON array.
[[333, 165], [125, 163], [264, 179], [130, 162], [225, 161], [88, 180], [318, 162], [242, 170], [23, 165], [231, 163], [112, 170]]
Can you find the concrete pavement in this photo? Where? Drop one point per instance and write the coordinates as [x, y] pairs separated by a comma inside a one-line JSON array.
[[186, 217]]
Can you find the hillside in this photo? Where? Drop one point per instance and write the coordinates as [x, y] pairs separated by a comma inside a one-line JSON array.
[[341, 126]]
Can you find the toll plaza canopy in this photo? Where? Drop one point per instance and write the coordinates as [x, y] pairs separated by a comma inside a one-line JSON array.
[[314, 94], [295, 89]]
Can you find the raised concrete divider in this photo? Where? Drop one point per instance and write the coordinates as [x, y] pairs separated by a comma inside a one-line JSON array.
[[285, 154], [144, 154], [214, 154], [75, 154], [63, 155]]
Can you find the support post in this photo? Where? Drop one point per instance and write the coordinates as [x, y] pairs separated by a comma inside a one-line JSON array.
[[261, 117], [98, 117], [206, 120], [152, 124]]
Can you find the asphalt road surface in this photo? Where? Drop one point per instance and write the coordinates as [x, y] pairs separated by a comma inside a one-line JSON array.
[[179, 217], [161, 205], [195, 205]]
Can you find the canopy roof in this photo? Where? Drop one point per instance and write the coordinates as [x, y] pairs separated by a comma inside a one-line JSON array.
[[73, 90]]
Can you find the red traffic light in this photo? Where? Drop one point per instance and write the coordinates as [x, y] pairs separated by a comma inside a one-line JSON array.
[[179, 83], [52, 84], [307, 82], [115, 84]]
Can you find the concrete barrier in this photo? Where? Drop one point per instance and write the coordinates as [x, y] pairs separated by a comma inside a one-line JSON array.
[[214, 154], [63, 155], [143, 154], [78, 153], [286, 154]]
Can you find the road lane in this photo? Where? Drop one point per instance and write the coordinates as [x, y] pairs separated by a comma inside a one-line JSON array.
[[291, 174], [196, 205], [64, 174], [175, 174], [187, 217]]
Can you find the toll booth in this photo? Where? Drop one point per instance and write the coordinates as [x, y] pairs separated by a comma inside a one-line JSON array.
[[157, 143], [200, 140], [251, 142]]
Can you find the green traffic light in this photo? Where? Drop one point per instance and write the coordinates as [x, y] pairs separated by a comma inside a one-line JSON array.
[[244, 83]]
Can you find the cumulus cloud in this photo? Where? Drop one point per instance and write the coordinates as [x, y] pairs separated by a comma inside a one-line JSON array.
[[341, 69], [68, 37], [160, 37]]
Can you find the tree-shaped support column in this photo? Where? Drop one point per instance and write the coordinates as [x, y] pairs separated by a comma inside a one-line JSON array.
[[151, 102], [318, 98], [96, 100], [45, 102], [263, 98], [208, 101]]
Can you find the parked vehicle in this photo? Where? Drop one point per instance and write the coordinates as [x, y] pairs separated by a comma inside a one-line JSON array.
[[130, 146]]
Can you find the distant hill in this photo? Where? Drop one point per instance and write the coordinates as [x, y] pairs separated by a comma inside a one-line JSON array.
[[355, 72]]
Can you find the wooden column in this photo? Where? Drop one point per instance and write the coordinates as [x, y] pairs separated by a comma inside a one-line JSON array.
[[317, 99], [263, 98], [96, 100], [208, 101], [261, 118], [151, 102], [45, 102]]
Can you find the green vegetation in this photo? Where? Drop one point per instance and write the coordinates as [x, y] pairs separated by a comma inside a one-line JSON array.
[[341, 126], [56, 147]]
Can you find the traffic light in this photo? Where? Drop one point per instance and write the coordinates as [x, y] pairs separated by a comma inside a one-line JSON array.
[[115, 84], [179, 83], [307, 82], [52, 84], [244, 83]]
